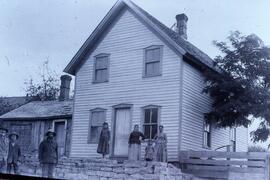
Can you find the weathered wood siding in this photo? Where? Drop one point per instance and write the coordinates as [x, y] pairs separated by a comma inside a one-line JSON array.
[[125, 42], [37, 133]]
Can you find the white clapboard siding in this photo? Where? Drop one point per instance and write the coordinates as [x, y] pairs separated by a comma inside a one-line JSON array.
[[194, 105], [242, 139], [125, 42]]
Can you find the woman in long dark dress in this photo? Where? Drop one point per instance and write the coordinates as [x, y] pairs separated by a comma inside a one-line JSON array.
[[135, 144], [161, 145], [104, 139]]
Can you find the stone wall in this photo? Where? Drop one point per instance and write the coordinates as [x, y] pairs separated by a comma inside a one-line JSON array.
[[105, 169]]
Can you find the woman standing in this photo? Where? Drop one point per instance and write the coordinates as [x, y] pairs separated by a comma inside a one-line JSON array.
[[135, 144], [104, 139], [161, 145]]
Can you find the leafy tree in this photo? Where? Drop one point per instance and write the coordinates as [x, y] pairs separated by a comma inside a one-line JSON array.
[[47, 89], [5, 106], [256, 148], [241, 89]]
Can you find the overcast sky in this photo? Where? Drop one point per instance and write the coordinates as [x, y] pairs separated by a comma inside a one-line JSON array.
[[32, 31]]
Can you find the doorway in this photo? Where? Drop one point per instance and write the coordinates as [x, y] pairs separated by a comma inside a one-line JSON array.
[[122, 127]]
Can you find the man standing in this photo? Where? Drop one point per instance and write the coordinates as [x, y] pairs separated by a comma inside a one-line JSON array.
[[14, 153], [48, 154], [3, 148]]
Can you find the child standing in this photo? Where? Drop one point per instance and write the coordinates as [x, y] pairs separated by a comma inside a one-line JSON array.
[[149, 151], [104, 139], [14, 153]]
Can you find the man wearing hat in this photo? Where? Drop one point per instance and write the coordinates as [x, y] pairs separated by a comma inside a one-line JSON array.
[[14, 153], [3, 148], [48, 154]]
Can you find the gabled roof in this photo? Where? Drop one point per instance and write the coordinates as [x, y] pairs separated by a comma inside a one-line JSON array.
[[37, 110], [176, 42]]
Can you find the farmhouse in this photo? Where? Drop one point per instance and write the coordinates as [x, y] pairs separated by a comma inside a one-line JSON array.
[[135, 70], [32, 120]]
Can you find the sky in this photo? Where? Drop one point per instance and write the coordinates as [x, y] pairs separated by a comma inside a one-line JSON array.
[[33, 31]]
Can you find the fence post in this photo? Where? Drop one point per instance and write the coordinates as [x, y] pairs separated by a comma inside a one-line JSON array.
[[267, 167]]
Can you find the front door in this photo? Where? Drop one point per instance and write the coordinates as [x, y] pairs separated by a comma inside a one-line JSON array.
[[59, 128], [122, 130]]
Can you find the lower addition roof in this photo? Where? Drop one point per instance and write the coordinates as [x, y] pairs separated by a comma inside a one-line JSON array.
[[41, 110]]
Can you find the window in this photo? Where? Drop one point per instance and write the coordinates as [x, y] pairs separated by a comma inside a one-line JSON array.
[[97, 118], [101, 68], [150, 123], [206, 135], [152, 61], [233, 139]]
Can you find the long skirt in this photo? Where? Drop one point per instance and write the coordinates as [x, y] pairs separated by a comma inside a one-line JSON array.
[[134, 152], [161, 152]]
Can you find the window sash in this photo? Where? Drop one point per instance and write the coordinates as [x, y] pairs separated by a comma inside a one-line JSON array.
[[152, 55], [101, 74], [96, 122], [153, 125], [101, 69], [152, 61]]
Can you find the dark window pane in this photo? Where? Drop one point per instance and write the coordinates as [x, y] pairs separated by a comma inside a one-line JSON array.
[[101, 63], [147, 115], [147, 131], [154, 131], [208, 140], [152, 68], [94, 133], [156, 68], [101, 75], [152, 55], [149, 69], [98, 118], [154, 115]]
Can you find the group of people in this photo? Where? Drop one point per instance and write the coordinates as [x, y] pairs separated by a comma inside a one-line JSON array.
[[158, 152], [10, 152]]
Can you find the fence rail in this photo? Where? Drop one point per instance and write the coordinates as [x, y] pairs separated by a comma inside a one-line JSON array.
[[215, 164]]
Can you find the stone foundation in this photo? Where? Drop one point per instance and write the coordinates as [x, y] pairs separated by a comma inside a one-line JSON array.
[[105, 169]]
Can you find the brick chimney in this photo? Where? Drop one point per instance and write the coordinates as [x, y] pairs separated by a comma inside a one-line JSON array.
[[181, 25], [65, 87]]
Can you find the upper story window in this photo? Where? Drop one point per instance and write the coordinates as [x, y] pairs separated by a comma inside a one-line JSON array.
[[151, 115], [206, 135], [97, 118], [101, 68], [233, 139], [152, 61]]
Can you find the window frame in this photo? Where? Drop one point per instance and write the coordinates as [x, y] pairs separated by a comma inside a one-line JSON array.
[[89, 138], [209, 136], [233, 139], [143, 117], [94, 67], [160, 47]]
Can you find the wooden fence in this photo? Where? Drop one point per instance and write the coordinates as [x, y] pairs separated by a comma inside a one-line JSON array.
[[215, 164]]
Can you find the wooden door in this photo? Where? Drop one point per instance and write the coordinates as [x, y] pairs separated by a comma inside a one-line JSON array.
[[122, 131], [59, 128]]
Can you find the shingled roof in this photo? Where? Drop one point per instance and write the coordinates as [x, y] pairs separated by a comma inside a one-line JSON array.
[[37, 110], [181, 45]]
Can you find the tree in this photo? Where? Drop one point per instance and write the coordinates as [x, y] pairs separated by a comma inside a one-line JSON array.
[[241, 89], [47, 89], [5, 106]]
